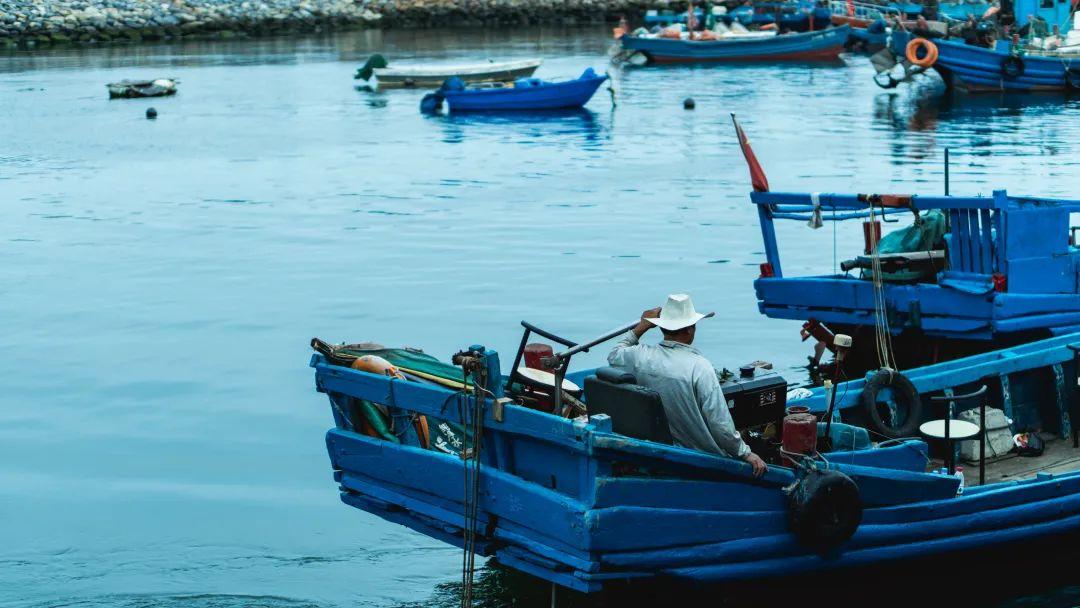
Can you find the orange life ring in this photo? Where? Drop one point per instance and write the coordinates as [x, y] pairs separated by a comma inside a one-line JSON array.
[[912, 52]]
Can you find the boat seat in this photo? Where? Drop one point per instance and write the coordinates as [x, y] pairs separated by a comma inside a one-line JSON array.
[[635, 411]]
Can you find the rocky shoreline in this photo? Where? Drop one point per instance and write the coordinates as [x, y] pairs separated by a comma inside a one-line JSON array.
[[28, 23]]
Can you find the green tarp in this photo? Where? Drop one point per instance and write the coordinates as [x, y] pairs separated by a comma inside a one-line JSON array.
[[925, 235]]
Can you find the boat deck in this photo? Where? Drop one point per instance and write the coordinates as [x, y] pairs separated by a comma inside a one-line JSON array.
[[1059, 457]]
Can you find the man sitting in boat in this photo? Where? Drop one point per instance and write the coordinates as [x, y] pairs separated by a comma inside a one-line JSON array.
[[697, 412]]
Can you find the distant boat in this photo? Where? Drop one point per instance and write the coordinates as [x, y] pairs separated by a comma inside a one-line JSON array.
[[142, 88], [522, 94], [810, 46], [432, 75], [980, 69]]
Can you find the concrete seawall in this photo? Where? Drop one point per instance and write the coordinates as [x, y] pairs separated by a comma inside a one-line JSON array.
[[45, 22]]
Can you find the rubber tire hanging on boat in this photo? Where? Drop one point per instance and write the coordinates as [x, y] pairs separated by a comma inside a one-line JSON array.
[[1012, 67], [824, 509], [904, 392], [1072, 78]]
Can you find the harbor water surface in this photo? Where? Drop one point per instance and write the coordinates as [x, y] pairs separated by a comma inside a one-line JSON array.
[[161, 442]]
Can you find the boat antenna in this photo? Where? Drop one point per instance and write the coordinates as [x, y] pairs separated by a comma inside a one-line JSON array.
[[946, 172]]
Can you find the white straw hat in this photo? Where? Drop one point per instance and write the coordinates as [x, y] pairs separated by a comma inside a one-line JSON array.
[[678, 312]]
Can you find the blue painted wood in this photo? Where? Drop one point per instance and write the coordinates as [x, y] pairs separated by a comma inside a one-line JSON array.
[[822, 44], [977, 68], [931, 378], [557, 508], [526, 94], [793, 566], [987, 242], [1023, 238], [866, 537]]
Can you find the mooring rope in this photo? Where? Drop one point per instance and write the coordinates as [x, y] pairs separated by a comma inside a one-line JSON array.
[[471, 420]]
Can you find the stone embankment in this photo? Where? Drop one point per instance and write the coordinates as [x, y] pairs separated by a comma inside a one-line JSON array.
[[34, 22]]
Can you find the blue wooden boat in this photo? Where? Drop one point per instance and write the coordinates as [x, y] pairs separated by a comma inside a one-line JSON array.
[[567, 500], [810, 46], [522, 94], [798, 16], [1002, 273], [979, 69]]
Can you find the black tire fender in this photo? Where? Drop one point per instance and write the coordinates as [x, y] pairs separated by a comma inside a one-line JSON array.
[[905, 393], [824, 509], [1012, 67], [1072, 78]]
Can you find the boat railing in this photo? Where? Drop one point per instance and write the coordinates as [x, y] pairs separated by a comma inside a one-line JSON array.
[[980, 242], [859, 10]]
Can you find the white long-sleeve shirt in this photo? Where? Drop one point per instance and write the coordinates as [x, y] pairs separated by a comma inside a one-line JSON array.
[[696, 410]]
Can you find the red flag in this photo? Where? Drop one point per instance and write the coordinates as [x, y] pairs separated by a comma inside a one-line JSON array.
[[757, 174]]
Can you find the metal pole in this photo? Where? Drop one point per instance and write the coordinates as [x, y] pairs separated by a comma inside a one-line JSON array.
[[982, 443], [949, 446], [946, 172]]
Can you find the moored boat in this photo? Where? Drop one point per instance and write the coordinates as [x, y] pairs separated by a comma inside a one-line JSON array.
[[566, 499], [810, 46], [1004, 68], [128, 89], [521, 94], [434, 74]]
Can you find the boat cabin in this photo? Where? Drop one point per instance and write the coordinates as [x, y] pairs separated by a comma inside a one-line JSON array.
[[969, 275]]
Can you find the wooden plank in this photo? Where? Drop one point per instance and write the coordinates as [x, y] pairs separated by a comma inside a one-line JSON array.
[[961, 244], [768, 237], [940, 545], [974, 241], [1021, 304], [986, 233], [866, 537], [686, 494], [960, 371], [528, 504], [439, 402], [671, 527]]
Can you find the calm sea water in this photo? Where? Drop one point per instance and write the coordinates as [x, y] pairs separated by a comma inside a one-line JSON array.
[[160, 439]]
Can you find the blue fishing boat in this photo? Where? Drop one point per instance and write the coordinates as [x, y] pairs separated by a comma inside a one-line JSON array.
[[798, 16], [968, 275], [521, 94], [492, 463], [1002, 68], [555, 472], [810, 46]]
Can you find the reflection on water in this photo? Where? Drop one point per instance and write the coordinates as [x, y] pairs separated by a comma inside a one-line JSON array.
[[160, 441]]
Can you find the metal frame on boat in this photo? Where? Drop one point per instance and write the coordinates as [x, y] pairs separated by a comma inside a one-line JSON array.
[[1010, 273]]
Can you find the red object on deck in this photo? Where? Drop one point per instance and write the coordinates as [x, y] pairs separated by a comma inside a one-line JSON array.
[[1001, 283], [535, 352], [871, 234], [799, 434], [766, 271]]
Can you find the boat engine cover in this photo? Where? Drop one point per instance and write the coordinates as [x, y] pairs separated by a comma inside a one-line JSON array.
[[824, 508]]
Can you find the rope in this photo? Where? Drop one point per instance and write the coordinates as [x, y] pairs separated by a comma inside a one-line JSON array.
[[882, 333], [471, 420]]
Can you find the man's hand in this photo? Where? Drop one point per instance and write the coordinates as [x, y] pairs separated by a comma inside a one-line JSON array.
[[757, 463], [643, 325]]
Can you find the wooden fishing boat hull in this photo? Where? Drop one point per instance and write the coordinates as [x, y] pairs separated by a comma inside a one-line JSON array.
[[978, 69], [431, 77], [545, 96], [823, 45], [567, 500]]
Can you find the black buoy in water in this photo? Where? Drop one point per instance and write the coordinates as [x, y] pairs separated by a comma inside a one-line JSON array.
[[151, 113], [688, 103]]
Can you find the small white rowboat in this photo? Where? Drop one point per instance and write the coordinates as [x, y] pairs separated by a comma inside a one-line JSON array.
[[433, 75]]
